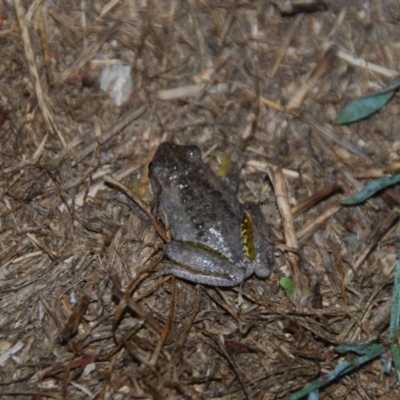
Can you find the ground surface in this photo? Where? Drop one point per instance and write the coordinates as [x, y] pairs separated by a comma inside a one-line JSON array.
[[234, 77]]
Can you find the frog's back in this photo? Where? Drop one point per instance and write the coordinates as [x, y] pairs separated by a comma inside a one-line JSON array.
[[201, 208]]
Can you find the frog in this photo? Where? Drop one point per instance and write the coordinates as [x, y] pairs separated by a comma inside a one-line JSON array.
[[215, 239]]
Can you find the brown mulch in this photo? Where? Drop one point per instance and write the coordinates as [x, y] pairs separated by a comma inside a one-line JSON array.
[[234, 77]]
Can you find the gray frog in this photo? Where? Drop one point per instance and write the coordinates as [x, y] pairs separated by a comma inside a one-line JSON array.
[[215, 239]]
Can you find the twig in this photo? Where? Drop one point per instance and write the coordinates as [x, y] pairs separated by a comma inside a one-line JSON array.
[[33, 71], [360, 62], [314, 199], [318, 221], [87, 54], [167, 326], [285, 42], [128, 118], [136, 308], [160, 230], [75, 319], [323, 65], [300, 280], [381, 228]]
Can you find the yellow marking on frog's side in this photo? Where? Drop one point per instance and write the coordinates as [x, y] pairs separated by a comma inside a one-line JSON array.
[[248, 238]]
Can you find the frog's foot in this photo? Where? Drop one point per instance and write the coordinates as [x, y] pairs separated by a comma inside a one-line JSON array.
[[197, 264]]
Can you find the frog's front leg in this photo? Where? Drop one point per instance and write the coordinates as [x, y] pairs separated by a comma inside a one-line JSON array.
[[202, 265]]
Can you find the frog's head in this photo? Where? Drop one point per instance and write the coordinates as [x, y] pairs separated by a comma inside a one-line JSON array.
[[171, 160]]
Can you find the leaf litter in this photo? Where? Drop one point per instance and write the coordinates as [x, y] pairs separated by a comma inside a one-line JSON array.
[[83, 312]]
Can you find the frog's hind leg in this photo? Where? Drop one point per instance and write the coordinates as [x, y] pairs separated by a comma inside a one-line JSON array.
[[202, 266]]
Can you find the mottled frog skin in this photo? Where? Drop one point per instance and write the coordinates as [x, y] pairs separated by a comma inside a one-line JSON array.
[[215, 239]]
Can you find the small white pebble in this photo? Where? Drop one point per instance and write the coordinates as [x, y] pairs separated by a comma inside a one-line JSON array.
[[89, 368], [361, 143], [116, 81]]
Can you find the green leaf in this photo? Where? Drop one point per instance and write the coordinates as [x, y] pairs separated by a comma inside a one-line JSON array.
[[344, 368], [369, 190], [287, 284], [365, 106], [396, 358], [395, 319], [395, 314]]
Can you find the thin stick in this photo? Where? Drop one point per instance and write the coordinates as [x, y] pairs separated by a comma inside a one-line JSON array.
[[299, 279], [314, 199], [160, 230], [33, 71], [285, 43], [167, 326], [323, 65]]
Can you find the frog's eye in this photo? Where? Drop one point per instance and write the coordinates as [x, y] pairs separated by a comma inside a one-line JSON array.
[[193, 152]]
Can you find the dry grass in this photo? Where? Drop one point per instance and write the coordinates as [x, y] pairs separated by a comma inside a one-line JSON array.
[[225, 75]]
